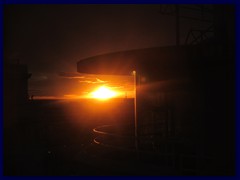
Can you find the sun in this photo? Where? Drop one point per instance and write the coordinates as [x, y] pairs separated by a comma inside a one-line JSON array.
[[103, 93]]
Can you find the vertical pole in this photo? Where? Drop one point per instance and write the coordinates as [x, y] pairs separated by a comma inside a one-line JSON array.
[[135, 109], [177, 26]]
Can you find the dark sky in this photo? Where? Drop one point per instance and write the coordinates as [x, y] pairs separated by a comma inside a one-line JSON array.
[[52, 38]]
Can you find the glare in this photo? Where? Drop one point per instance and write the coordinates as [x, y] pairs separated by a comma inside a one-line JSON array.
[[103, 93]]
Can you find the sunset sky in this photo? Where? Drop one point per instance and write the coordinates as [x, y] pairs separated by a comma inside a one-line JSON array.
[[51, 39]]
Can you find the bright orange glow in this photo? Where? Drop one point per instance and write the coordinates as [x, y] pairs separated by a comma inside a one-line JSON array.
[[103, 93]]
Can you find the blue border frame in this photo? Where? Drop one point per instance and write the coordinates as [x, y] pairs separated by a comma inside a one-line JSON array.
[[1, 79], [119, 1], [238, 86], [236, 2]]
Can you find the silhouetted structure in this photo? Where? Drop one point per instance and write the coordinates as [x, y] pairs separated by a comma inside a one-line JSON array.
[[16, 82], [186, 101], [15, 89]]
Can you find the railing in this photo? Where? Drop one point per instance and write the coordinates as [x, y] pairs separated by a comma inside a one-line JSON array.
[[112, 139], [170, 153], [195, 36]]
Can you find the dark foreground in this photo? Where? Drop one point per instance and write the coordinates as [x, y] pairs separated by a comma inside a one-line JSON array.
[[55, 138]]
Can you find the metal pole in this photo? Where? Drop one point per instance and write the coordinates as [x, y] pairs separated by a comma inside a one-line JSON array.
[[177, 25], [135, 108]]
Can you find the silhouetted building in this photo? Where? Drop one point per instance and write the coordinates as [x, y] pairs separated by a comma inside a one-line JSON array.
[[16, 83], [15, 92], [186, 94]]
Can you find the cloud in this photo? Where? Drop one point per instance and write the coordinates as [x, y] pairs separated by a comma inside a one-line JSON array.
[[71, 96], [71, 75], [93, 81], [39, 78], [100, 81], [116, 87]]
